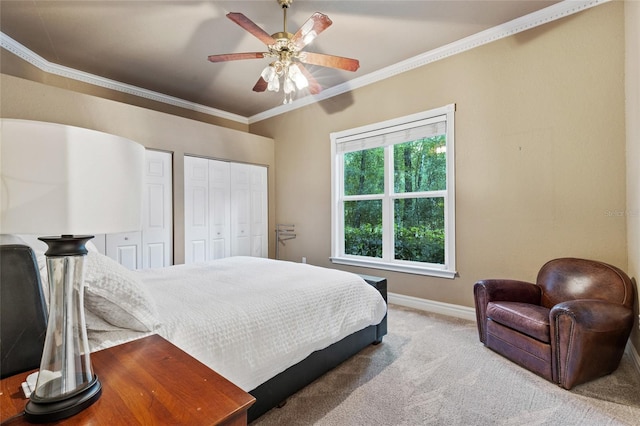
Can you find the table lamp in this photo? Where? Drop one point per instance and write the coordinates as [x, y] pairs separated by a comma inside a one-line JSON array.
[[69, 182]]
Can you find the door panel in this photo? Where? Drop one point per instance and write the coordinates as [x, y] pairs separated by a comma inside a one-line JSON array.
[[155, 201], [154, 255], [198, 251], [218, 249], [220, 232], [259, 212], [200, 212], [196, 209], [240, 210], [125, 248]]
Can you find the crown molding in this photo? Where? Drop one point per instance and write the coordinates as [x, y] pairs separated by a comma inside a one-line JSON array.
[[541, 17], [38, 61]]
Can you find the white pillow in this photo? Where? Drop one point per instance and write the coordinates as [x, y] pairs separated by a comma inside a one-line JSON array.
[[97, 324], [113, 294], [116, 295]]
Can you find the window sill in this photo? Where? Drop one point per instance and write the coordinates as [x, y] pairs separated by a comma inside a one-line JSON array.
[[396, 267]]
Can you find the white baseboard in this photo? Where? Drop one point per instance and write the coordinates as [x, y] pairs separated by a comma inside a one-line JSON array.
[[634, 355], [457, 311]]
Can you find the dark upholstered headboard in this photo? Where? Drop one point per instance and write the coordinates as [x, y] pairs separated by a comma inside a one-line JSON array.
[[23, 312]]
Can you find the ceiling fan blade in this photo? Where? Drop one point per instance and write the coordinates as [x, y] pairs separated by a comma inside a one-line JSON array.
[[316, 24], [314, 86], [261, 85], [251, 27], [235, 56], [330, 61]]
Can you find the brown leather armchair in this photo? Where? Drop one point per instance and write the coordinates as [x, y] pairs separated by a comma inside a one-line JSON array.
[[570, 327]]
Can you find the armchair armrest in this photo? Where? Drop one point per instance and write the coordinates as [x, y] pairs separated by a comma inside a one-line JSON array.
[[588, 339], [492, 290]]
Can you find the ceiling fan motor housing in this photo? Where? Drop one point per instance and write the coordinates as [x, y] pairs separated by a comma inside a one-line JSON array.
[[284, 3], [282, 35]]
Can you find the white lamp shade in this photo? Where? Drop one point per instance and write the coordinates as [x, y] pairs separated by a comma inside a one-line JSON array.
[[65, 180]]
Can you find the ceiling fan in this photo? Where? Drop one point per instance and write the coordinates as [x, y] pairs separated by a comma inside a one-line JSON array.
[[287, 50]]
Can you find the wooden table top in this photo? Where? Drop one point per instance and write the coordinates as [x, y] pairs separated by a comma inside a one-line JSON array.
[[148, 382]]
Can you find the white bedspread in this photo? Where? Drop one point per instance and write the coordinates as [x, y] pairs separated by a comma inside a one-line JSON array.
[[251, 318]]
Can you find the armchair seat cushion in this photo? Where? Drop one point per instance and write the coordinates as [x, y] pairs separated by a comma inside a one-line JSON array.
[[531, 320]]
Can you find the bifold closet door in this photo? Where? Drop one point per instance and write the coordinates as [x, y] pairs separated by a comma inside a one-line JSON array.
[[249, 210], [225, 210]]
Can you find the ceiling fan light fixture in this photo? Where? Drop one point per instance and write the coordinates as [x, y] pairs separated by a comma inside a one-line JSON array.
[[268, 73], [286, 49], [289, 86], [274, 85], [298, 78]]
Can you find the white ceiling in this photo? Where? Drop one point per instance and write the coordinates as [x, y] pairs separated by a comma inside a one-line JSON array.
[[163, 45]]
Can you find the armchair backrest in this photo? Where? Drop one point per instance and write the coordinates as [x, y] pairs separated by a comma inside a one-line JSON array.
[[567, 279]]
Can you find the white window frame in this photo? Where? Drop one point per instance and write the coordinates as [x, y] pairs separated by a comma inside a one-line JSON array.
[[446, 270]]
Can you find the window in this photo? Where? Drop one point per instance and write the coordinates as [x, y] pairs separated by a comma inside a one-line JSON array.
[[393, 194]]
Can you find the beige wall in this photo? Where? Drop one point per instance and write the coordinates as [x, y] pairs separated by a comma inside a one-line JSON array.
[[540, 152], [35, 101], [632, 37], [540, 147], [11, 64]]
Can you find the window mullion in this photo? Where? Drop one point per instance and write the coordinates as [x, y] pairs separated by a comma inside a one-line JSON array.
[[426, 194], [339, 219], [387, 205]]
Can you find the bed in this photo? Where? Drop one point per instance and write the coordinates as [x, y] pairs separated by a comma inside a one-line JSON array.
[[269, 326]]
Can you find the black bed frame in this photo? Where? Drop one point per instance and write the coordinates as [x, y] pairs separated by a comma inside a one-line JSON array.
[[19, 268], [276, 390]]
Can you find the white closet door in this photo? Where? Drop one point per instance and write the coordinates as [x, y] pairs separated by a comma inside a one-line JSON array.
[[259, 212], [196, 209], [125, 248], [240, 209], [225, 210], [157, 222], [151, 246], [219, 207]]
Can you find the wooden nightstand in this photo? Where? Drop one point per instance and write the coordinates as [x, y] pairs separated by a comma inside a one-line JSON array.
[[147, 382]]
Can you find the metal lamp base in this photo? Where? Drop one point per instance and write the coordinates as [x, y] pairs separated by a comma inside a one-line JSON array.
[[45, 412]]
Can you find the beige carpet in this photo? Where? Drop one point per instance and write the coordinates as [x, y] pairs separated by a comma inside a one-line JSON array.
[[433, 370]]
